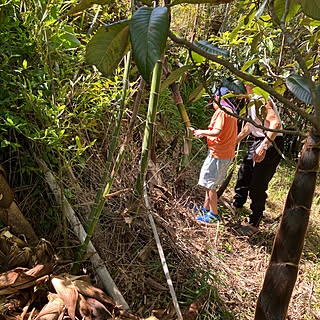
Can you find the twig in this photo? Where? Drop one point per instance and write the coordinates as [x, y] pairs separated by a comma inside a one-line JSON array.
[[117, 192]]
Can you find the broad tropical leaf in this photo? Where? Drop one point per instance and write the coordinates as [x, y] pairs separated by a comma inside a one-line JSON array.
[[148, 32], [176, 74], [261, 92], [279, 86], [175, 2], [311, 8], [299, 87], [279, 7], [234, 84], [208, 47], [85, 4], [248, 64], [197, 58], [196, 94], [108, 46]]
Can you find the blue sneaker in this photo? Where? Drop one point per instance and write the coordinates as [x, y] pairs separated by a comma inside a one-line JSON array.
[[201, 209], [209, 218]]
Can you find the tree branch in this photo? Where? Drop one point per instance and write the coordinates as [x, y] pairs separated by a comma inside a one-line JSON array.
[[247, 77], [307, 76]]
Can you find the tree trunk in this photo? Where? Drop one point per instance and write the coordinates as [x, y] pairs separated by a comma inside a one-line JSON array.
[[282, 272]]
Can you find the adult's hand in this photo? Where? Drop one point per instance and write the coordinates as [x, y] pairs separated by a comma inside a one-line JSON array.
[[259, 154]]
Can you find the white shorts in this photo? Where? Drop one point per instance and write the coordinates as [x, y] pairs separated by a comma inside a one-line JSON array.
[[213, 172]]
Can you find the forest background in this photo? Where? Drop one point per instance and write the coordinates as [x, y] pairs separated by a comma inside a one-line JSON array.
[[68, 104]]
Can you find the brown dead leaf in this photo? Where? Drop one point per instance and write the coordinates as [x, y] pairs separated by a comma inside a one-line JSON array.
[[193, 311], [154, 285], [53, 309], [19, 257], [99, 310], [84, 308], [89, 290], [14, 277], [44, 252], [67, 292]]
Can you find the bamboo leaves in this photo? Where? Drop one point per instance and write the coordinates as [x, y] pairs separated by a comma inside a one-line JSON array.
[[175, 75], [108, 46]]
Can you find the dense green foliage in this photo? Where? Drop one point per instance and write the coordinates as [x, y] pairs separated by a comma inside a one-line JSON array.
[[62, 79]]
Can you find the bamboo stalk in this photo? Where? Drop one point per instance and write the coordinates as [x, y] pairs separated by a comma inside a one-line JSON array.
[[96, 206], [148, 131], [185, 118], [282, 271], [104, 185]]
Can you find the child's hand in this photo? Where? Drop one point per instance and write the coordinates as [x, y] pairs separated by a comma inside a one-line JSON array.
[[198, 133]]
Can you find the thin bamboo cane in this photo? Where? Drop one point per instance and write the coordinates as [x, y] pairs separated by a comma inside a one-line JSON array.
[[184, 115], [148, 131], [92, 220], [79, 231], [105, 186]]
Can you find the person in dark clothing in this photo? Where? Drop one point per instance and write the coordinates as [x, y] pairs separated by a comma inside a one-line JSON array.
[[260, 162]]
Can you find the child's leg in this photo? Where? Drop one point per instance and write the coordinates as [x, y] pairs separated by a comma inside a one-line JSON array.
[[211, 201]]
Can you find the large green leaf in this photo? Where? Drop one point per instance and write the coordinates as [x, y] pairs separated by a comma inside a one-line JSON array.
[[299, 87], [234, 84], [85, 4], [148, 32], [311, 8], [108, 46], [176, 74], [175, 2], [208, 47], [279, 8], [196, 94]]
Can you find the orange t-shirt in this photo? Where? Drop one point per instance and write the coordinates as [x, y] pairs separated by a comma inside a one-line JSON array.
[[223, 147]]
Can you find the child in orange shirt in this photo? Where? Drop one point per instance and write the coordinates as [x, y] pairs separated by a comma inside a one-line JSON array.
[[221, 138]]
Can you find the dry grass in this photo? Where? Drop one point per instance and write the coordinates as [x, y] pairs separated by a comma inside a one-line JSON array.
[[208, 261], [212, 261]]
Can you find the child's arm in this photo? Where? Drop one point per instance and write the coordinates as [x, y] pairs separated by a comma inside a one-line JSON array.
[[207, 133]]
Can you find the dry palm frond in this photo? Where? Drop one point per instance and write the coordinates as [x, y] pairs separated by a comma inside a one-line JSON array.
[[89, 290], [21, 278]]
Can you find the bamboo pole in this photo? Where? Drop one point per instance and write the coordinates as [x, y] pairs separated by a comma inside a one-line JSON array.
[[94, 214], [162, 256], [104, 185], [283, 268], [148, 131]]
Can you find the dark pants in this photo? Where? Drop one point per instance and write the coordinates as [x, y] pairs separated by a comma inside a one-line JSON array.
[[253, 179]]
